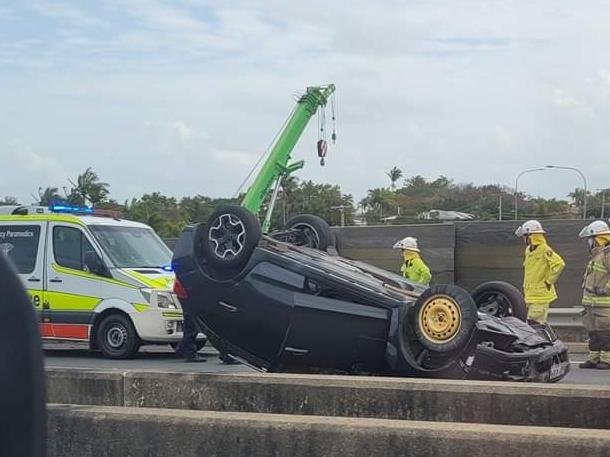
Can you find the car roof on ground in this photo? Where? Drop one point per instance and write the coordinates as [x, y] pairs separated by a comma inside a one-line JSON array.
[[339, 267]]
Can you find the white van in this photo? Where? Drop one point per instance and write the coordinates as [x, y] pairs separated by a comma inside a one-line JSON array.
[[98, 279]]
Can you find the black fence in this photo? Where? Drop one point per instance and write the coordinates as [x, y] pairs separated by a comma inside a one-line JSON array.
[[469, 253]]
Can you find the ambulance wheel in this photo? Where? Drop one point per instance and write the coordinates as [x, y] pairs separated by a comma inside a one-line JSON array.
[[500, 299], [316, 231], [443, 319], [228, 238], [117, 337]]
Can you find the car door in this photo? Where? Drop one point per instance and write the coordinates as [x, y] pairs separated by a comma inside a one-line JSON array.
[[262, 304], [23, 243], [73, 292]]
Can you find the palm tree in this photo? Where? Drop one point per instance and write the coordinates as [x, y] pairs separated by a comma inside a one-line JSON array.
[[7, 201], [378, 199], [48, 196], [394, 174], [89, 187]]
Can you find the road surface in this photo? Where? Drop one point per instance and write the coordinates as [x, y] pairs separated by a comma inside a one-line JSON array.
[[162, 358]]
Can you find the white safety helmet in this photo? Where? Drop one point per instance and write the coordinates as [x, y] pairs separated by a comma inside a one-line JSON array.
[[409, 243], [595, 228], [528, 228]]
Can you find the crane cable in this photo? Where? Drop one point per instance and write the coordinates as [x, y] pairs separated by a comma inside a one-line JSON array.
[[333, 112], [262, 156]]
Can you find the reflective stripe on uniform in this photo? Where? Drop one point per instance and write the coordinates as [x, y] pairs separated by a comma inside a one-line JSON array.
[[599, 266], [594, 300], [597, 277]]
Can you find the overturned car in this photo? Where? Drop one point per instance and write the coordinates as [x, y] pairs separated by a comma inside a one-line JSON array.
[[279, 307]]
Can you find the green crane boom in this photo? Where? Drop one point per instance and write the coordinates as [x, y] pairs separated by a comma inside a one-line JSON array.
[[276, 166]]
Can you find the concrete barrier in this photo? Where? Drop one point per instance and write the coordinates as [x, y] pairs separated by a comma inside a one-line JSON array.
[[85, 387], [350, 396], [84, 431]]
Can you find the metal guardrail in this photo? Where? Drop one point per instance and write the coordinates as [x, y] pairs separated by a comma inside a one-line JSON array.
[[566, 317]]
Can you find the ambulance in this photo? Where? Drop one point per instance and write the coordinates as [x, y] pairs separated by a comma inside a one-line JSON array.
[[93, 277]]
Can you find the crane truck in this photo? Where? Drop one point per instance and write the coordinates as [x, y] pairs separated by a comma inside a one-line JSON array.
[[305, 229], [234, 230]]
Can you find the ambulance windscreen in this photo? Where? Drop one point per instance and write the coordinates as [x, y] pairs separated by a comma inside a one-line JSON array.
[[132, 247]]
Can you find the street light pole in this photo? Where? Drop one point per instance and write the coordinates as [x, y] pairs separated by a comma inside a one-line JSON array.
[[517, 185], [500, 207], [584, 180], [342, 209]]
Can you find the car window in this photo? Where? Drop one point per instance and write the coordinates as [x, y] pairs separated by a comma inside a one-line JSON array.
[[70, 247], [20, 244]]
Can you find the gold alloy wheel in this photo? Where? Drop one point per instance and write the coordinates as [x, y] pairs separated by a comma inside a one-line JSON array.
[[440, 319]]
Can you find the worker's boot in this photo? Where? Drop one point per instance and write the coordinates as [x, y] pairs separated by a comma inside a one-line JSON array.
[[590, 364], [603, 366]]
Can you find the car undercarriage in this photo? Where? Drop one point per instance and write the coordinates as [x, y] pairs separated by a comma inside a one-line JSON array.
[[280, 307]]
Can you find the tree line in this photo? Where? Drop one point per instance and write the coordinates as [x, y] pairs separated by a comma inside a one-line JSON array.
[[403, 201], [168, 215]]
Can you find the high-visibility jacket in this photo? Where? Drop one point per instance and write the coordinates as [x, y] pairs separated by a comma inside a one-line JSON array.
[[416, 270], [542, 267], [597, 276]]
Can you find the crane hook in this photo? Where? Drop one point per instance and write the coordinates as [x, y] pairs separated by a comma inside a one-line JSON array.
[[322, 149]]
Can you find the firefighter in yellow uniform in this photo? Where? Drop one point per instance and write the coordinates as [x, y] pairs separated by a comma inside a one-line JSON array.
[[413, 267], [596, 295], [541, 269]]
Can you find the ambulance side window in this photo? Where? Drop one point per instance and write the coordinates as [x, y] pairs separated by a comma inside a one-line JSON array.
[[70, 247], [20, 244]]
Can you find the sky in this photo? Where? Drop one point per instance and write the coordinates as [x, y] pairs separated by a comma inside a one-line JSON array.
[[183, 96]]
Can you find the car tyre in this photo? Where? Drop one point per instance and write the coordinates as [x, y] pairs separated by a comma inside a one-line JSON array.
[[228, 238], [117, 337], [316, 230], [443, 318], [500, 299]]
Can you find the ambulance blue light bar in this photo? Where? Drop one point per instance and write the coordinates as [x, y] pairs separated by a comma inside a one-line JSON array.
[[71, 209]]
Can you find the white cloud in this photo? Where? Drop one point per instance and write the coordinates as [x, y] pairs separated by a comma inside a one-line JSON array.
[[561, 99], [17, 155], [24, 170], [162, 17], [504, 138], [6, 14], [239, 159], [477, 92], [175, 133], [67, 12]]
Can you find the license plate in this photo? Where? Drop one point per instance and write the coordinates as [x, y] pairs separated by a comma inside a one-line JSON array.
[[556, 371]]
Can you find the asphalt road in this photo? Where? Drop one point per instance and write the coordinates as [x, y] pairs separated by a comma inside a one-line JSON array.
[[162, 358]]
